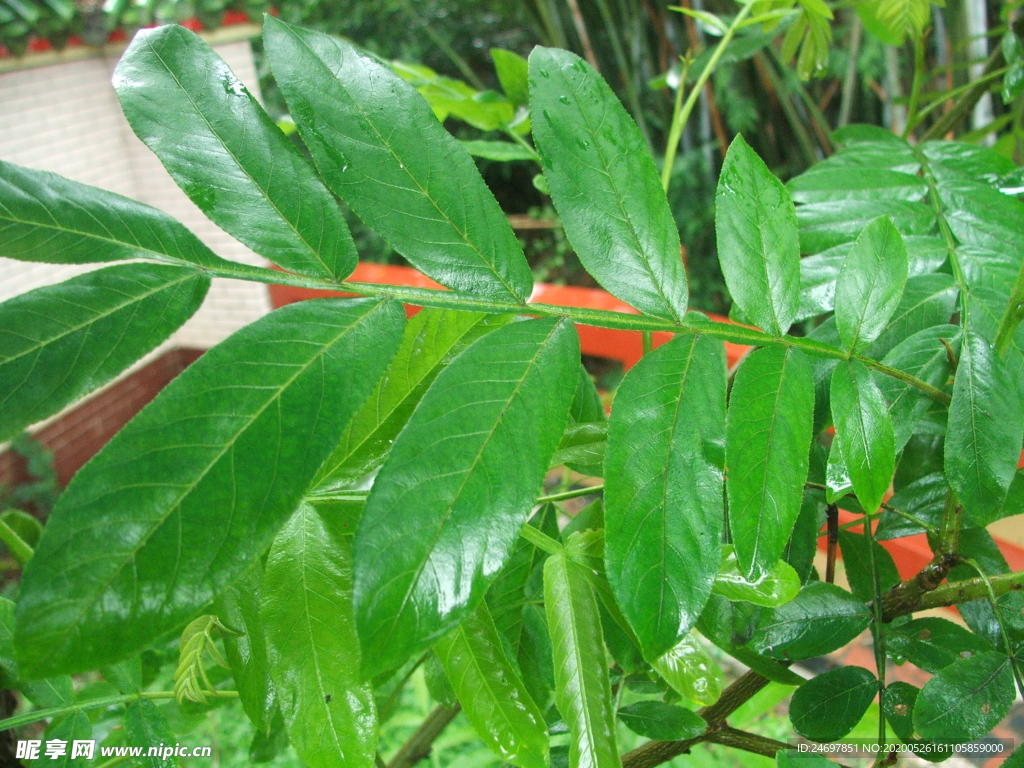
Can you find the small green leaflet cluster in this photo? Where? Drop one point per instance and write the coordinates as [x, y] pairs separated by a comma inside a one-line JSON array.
[[242, 486]]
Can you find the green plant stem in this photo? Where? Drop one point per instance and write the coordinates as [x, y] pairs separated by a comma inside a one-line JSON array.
[[430, 297], [949, 533], [105, 701], [17, 546], [418, 745], [900, 601], [512, 134], [572, 493], [1013, 315], [877, 625], [997, 612], [966, 102], [682, 115], [938, 102], [915, 88], [850, 77]]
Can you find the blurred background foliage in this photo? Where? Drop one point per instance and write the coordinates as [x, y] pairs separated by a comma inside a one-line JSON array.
[[793, 72]]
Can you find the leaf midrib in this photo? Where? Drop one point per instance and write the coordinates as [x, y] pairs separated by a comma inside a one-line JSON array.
[[187, 489]]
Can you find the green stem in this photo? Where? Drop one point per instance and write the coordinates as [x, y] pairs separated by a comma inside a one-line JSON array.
[[1007, 645], [900, 601], [937, 103], [1012, 316], [570, 494], [430, 297], [877, 626], [915, 88], [682, 115], [949, 532], [18, 547], [523, 143], [105, 701]]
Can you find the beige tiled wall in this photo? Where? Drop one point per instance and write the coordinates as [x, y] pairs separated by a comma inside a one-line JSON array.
[[65, 118]]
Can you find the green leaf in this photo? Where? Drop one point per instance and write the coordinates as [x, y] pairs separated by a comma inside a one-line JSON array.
[[146, 726], [864, 432], [405, 177], [691, 671], [758, 246], [776, 586], [45, 217], [312, 644], [870, 284], [179, 502], [498, 151], [836, 183], [820, 619], [237, 165], [826, 225], [922, 355], [74, 726], [238, 607], [933, 643], [512, 70], [582, 690], [664, 509], [604, 185], [731, 626], [463, 474], [768, 436], [928, 300], [491, 692], [965, 700], [984, 432], [827, 707], [857, 565], [658, 720], [897, 703], [60, 342], [429, 342]]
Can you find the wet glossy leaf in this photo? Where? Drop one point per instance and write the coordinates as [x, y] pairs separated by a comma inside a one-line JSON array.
[[965, 700], [691, 671], [236, 164], [60, 342], [463, 473], [582, 690], [491, 692], [864, 432], [827, 707], [184, 497], [870, 284], [826, 225], [857, 565], [820, 619], [238, 608], [925, 356], [984, 433], [933, 643], [758, 246], [312, 645], [768, 436], [512, 69], [429, 342], [406, 178], [776, 586], [898, 706], [836, 183], [731, 626], [658, 720], [927, 301], [604, 185], [664, 506], [45, 217]]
